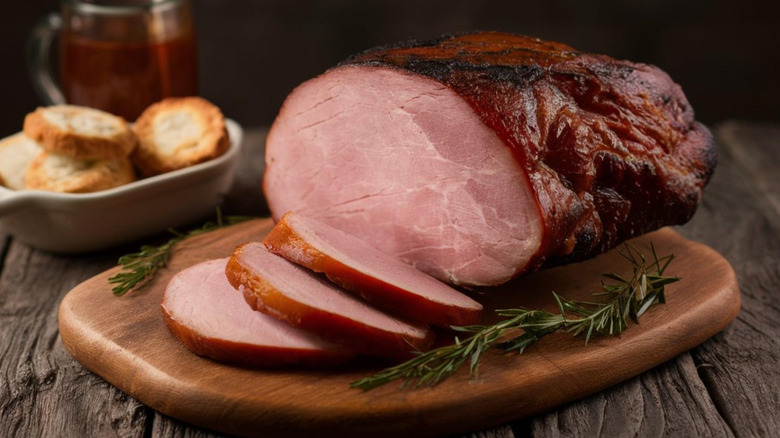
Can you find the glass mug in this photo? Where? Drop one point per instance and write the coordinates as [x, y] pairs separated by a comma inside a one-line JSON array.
[[116, 55]]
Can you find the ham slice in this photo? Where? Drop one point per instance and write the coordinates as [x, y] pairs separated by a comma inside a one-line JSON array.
[[379, 278], [212, 319], [278, 287]]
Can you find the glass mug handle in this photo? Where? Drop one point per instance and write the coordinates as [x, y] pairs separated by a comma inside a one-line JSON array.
[[38, 46]]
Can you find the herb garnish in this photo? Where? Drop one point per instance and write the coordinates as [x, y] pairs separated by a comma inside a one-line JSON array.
[[629, 298], [140, 267]]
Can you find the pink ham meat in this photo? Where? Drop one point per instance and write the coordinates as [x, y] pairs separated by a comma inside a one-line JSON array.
[[212, 319], [280, 288], [403, 163], [379, 278], [479, 157]]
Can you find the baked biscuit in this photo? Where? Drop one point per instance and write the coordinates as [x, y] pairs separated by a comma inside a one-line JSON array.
[[80, 133], [178, 132], [16, 154], [58, 173]]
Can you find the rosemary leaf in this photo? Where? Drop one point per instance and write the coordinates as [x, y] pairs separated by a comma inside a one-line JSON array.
[[139, 267], [628, 298]]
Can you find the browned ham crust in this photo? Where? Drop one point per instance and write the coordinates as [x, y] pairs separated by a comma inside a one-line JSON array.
[[611, 148]]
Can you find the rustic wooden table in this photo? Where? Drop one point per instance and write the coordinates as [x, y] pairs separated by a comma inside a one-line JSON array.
[[730, 385]]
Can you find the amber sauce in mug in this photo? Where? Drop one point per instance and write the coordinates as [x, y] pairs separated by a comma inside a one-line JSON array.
[[124, 78], [116, 55]]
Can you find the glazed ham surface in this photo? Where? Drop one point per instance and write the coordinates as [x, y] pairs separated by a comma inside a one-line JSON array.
[[479, 157]]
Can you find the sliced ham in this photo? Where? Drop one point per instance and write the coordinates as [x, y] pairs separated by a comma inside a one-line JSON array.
[[483, 156], [212, 319], [384, 280], [278, 287]]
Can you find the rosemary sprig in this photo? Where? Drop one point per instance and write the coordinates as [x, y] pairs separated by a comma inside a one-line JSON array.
[[139, 267], [628, 299]]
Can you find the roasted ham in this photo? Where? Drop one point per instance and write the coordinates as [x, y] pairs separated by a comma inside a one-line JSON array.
[[479, 157]]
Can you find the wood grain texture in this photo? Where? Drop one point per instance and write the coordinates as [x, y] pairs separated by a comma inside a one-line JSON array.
[[126, 342], [668, 400], [165, 426], [755, 150], [43, 392], [741, 220], [737, 367]]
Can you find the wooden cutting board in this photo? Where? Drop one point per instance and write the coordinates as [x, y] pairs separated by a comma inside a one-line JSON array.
[[125, 341]]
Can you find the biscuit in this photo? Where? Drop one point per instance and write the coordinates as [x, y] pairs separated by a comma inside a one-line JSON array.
[[59, 173], [16, 154], [178, 132], [80, 133]]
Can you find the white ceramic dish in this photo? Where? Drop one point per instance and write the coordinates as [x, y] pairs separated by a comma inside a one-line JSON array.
[[78, 223]]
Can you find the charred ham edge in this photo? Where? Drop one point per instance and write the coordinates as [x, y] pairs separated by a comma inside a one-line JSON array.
[[212, 319], [383, 280], [284, 290], [482, 156]]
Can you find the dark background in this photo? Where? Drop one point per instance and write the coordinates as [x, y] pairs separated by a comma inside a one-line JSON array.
[[253, 52]]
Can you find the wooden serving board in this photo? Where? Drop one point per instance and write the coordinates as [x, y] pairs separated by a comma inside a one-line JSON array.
[[125, 341]]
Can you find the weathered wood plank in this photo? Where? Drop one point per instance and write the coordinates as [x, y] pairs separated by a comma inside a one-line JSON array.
[[496, 432], [669, 400], [43, 390], [167, 427], [740, 218], [755, 148]]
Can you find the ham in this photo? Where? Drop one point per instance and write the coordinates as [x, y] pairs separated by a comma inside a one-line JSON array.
[[384, 280], [212, 319], [479, 157], [284, 290]]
